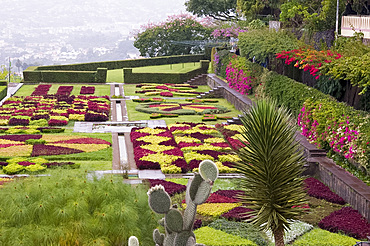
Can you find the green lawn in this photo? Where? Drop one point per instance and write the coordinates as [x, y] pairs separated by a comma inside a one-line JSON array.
[[100, 90], [116, 75], [130, 89], [134, 115]]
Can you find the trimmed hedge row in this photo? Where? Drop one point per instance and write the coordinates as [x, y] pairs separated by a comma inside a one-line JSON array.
[[93, 66], [3, 92], [134, 78], [289, 92], [33, 75]]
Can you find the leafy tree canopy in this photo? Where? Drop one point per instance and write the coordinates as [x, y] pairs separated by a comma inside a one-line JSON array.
[[224, 10], [164, 39]]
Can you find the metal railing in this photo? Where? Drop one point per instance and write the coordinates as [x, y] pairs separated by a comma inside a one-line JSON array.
[[352, 24]]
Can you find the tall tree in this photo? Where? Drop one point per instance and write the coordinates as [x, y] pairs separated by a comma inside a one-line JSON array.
[[224, 10], [179, 35], [252, 8], [271, 163]]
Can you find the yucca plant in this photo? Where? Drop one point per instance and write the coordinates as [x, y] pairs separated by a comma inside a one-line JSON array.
[[271, 164]]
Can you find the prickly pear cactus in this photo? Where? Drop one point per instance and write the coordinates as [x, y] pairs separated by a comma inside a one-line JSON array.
[[179, 227], [133, 241]]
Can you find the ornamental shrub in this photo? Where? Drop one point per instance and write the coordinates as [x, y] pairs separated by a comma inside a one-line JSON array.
[[240, 229], [318, 190], [35, 141], [210, 236], [324, 238], [347, 220]]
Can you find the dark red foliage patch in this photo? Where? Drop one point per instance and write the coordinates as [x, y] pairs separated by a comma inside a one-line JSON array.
[[348, 221], [200, 136], [181, 163], [41, 90], [64, 90], [197, 224], [170, 187], [183, 144], [212, 153], [230, 193], [175, 151], [87, 90], [26, 163], [222, 145], [194, 164], [54, 122], [318, 190], [18, 122], [20, 138], [41, 149], [84, 141], [216, 198], [147, 165], [96, 117], [237, 214]]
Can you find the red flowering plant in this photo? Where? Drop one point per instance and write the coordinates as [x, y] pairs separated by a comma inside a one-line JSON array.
[[308, 59]]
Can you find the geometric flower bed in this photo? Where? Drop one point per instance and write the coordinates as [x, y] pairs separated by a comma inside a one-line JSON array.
[[348, 221], [167, 90], [87, 90], [318, 190], [53, 110], [39, 145], [181, 108], [180, 148], [31, 165]]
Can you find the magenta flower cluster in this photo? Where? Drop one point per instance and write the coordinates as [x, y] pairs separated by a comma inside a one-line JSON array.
[[238, 79], [228, 32]]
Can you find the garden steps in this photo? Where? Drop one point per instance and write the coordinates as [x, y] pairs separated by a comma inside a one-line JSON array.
[[198, 80]]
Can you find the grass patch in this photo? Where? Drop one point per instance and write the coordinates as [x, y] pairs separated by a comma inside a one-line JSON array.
[[100, 90], [116, 75], [130, 89], [134, 115]]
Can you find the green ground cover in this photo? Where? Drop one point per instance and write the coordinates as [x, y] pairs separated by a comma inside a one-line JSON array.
[[129, 90], [116, 75], [100, 90], [134, 115]]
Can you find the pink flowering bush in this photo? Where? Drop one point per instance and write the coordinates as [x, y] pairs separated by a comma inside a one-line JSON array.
[[228, 32], [333, 125], [239, 77]]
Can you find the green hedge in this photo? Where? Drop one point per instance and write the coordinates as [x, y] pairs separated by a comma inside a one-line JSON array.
[[289, 92], [31, 75], [3, 92], [263, 43], [134, 78], [93, 66]]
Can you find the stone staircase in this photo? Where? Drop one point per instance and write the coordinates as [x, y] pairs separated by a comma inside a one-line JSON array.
[[213, 93], [198, 80]]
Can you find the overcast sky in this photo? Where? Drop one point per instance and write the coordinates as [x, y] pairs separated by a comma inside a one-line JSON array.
[[122, 14]]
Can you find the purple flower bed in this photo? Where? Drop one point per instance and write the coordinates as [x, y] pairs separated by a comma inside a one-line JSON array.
[[54, 122], [18, 122], [96, 117], [230, 193], [200, 136], [216, 198], [20, 138], [41, 90], [147, 165], [170, 187], [175, 151], [40, 116], [25, 163], [166, 94], [58, 164], [87, 90], [41, 149], [64, 90], [237, 214], [212, 153], [348, 221], [318, 190]]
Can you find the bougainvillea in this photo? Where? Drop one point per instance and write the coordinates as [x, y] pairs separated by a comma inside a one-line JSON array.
[[308, 59], [346, 220]]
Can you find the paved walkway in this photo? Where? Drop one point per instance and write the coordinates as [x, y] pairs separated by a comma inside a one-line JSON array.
[[12, 89]]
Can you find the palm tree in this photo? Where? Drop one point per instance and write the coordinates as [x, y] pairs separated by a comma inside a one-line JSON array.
[[271, 164]]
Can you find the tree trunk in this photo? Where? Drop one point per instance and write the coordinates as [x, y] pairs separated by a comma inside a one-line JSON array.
[[279, 237]]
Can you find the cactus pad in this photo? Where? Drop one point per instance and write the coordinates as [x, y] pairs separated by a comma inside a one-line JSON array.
[[159, 200], [208, 170], [174, 220], [158, 237], [133, 241]]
